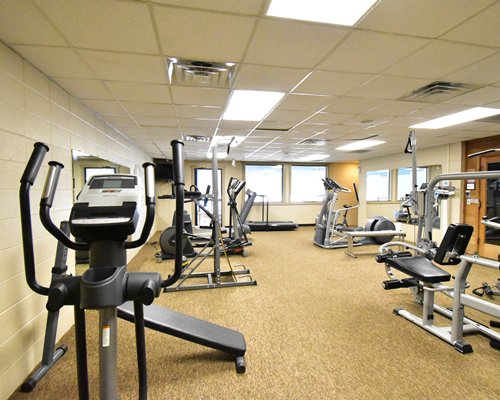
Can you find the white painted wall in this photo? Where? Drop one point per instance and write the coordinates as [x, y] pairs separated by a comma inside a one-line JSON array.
[[33, 108]]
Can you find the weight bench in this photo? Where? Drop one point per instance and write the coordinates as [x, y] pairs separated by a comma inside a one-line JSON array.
[[428, 278]]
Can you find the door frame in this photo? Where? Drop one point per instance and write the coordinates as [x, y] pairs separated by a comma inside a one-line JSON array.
[[485, 249]]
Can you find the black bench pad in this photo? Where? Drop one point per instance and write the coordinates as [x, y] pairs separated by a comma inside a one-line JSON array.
[[419, 267]]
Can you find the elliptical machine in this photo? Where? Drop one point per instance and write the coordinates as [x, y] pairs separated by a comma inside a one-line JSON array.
[[106, 213], [103, 230]]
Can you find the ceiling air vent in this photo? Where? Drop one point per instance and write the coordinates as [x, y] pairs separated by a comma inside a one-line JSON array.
[[200, 73], [438, 91], [197, 138], [314, 142]]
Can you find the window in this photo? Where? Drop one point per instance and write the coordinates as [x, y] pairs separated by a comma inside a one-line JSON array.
[[377, 185], [306, 183], [91, 171], [404, 180], [265, 180]]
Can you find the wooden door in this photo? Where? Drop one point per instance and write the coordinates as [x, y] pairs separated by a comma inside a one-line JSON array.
[[489, 239]]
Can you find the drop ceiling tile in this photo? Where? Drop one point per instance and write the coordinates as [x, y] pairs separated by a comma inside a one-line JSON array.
[[425, 18], [478, 97], [404, 122], [439, 58], [395, 108], [313, 128], [105, 106], [132, 132], [197, 131], [292, 44], [22, 23], [149, 109], [483, 72], [159, 132], [482, 29], [155, 121], [371, 52], [437, 110], [238, 7], [351, 105], [301, 102], [85, 88], [259, 136], [126, 67], [388, 87], [200, 96], [202, 35], [331, 83], [198, 111], [139, 92], [276, 125], [257, 77], [329, 118], [332, 136], [343, 129], [60, 62], [198, 123], [119, 119], [289, 116], [104, 25]]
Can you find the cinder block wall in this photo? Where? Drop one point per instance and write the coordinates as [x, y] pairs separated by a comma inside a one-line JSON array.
[[33, 108]]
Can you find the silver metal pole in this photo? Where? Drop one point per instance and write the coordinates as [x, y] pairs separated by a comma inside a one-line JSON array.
[[429, 197], [108, 380], [216, 219]]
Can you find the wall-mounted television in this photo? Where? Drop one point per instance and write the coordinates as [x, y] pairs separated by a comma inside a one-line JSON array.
[[164, 170]]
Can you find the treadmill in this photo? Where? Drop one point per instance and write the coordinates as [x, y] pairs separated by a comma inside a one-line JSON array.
[[265, 224]]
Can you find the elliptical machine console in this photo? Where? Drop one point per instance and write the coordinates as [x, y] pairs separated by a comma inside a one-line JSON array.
[[107, 206]]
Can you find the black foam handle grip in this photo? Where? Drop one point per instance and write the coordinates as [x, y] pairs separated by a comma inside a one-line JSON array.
[[35, 162], [178, 161]]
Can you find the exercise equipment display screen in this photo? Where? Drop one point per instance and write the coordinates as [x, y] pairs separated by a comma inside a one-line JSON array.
[[110, 183]]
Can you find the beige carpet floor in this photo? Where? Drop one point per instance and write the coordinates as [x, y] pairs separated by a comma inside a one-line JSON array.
[[318, 326]]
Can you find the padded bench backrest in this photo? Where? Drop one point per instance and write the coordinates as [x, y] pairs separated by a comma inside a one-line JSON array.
[[453, 245]]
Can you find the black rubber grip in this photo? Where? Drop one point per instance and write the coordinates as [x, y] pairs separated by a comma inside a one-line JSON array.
[[178, 161], [35, 162]]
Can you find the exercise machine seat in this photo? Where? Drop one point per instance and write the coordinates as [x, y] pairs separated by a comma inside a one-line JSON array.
[[419, 267]]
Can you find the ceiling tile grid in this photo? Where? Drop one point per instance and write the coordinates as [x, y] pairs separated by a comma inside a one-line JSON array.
[[339, 83]]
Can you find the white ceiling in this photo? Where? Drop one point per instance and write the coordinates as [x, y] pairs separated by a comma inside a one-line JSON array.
[[341, 84]]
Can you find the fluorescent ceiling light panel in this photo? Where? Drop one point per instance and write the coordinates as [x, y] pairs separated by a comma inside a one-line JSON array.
[[339, 12], [471, 114], [362, 144], [251, 105], [314, 157]]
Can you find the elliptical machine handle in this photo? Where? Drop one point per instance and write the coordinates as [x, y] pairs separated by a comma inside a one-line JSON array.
[[149, 187], [46, 201], [178, 162], [51, 181], [34, 163]]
